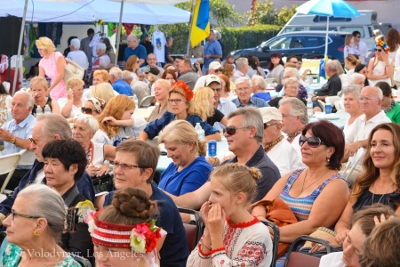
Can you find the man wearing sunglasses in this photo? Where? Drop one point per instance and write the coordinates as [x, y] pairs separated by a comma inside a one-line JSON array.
[[356, 139], [242, 67], [243, 91], [48, 127], [244, 135], [214, 68], [360, 47]]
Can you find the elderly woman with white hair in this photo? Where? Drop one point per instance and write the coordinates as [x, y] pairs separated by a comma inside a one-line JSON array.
[[52, 65], [258, 86], [352, 106], [77, 55], [85, 127], [291, 89], [292, 72], [103, 61]]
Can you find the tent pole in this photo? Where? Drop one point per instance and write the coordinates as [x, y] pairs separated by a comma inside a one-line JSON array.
[[21, 36], [326, 37], [119, 32], [190, 27]]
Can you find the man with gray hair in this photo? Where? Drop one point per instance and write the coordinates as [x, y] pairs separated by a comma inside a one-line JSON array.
[[294, 119], [244, 134], [76, 55], [139, 88], [356, 140], [48, 127], [242, 67], [134, 48], [16, 132], [118, 84], [243, 91], [258, 87]]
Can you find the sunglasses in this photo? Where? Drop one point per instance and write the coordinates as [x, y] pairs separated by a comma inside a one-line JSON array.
[[312, 141], [231, 130], [218, 70], [86, 110], [266, 125], [378, 50]]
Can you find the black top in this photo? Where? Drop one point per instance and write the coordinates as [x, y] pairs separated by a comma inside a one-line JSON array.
[[275, 102], [367, 198], [217, 117], [332, 87], [47, 103]]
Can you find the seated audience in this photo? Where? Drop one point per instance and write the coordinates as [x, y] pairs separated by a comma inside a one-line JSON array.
[[93, 106], [102, 90], [275, 66], [170, 75], [214, 68], [389, 106], [133, 65], [43, 222], [228, 71], [109, 51], [203, 105], [38, 88], [71, 106], [259, 86], [352, 106], [118, 84], [187, 74], [139, 88], [188, 170], [226, 86], [350, 63], [129, 153], [362, 69], [243, 91], [291, 89], [103, 60], [242, 67], [100, 76], [180, 108], [233, 187], [309, 192], [161, 91]]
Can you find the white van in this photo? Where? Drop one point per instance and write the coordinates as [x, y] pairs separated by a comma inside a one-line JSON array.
[[365, 24]]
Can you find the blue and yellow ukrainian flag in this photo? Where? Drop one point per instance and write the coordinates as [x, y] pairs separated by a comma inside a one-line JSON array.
[[200, 22]]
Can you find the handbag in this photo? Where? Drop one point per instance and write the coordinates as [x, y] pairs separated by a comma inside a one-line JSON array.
[[104, 183], [72, 69], [280, 214]]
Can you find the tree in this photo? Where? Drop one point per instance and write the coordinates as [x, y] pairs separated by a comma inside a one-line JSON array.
[[265, 13], [224, 13]]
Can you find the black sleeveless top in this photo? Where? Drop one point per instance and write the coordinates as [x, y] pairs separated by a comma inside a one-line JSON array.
[[367, 198], [47, 103]]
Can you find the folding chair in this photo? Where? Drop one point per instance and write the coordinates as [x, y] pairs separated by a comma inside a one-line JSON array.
[[298, 259], [8, 164], [277, 234], [193, 231], [146, 101]]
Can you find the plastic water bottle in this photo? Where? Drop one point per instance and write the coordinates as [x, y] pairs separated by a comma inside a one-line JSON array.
[[39, 111], [200, 132], [310, 111], [328, 108], [47, 109]]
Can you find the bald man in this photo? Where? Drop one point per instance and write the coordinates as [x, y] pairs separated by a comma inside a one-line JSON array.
[[134, 48]]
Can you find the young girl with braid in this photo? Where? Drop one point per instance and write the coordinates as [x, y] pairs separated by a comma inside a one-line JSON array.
[[232, 237], [123, 233]]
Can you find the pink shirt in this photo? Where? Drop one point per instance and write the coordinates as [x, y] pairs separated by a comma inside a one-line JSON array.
[[49, 65]]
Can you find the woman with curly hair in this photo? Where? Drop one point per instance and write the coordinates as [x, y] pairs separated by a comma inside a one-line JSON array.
[[115, 121], [180, 107], [133, 65]]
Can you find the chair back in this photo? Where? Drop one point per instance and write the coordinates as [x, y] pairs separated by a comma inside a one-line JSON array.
[[146, 101], [193, 231], [275, 228], [8, 164]]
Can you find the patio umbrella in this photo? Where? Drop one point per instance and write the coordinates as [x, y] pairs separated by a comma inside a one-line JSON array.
[[328, 8]]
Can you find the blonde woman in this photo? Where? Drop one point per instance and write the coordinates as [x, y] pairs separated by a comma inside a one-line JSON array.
[[180, 108], [348, 47], [52, 65], [115, 121], [189, 169], [71, 106], [100, 76], [161, 90], [39, 87], [103, 91], [203, 105]]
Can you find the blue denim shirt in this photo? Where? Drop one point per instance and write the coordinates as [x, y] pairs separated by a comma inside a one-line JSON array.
[[253, 102]]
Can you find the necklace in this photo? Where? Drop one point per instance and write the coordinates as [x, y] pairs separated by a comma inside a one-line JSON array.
[[269, 146], [305, 176], [373, 193], [293, 135], [389, 108]]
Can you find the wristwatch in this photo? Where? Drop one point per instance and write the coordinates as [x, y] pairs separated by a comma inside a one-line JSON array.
[[13, 140]]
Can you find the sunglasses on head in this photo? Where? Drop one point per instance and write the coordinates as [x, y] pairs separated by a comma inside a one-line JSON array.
[[86, 110], [312, 141], [231, 130], [378, 50]]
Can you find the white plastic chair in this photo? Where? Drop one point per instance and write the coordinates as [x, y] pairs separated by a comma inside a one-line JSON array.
[[7, 165], [146, 101]]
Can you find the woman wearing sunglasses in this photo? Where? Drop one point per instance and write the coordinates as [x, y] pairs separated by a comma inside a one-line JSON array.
[[380, 67], [309, 192], [94, 106], [36, 228], [180, 107]]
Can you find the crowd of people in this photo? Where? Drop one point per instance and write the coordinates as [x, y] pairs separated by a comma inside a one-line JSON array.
[[84, 135]]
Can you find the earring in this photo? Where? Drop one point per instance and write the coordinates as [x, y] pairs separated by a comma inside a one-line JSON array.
[[36, 233], [328, 159]]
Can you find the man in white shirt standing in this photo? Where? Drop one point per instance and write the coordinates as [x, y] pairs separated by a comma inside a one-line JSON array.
[[360, 47]]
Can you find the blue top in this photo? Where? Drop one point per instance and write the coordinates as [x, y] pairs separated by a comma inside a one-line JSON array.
[[153, 128], [211, 48], [188, 179], [253, 102], [140, 51], [22, 130], [263, 95], [85, 187], [174, 251], [122, 87]]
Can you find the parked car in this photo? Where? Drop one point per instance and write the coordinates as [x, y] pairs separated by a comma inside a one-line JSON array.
[[309, 45]]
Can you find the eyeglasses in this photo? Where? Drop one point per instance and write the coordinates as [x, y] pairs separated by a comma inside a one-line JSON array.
[[176, 101], [13, 214], [292, 87], [363, 98], [231, 130], [86, 110], [266, 125], [378, 50], [216, 90], [294, 62], [218, 70], [125, 167], [33, 140], [146, 72], [312, 141], [242, 89], [358, 36]]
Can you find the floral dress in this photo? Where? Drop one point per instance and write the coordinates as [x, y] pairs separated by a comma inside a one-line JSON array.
[[49, 65], [12, 257]]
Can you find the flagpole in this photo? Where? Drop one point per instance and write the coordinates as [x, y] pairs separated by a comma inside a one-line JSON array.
[[190, 26]]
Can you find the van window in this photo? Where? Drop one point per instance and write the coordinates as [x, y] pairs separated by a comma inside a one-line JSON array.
[[322, 28], [307, 41], [331, 19], [352, 29], [293, 29], [280, 43]]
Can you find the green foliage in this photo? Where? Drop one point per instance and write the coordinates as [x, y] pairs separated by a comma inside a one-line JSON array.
[[246, 36], [265, 13], [224, 13]]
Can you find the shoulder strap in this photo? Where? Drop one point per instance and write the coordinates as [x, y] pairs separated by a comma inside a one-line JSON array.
[[71, 196]]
